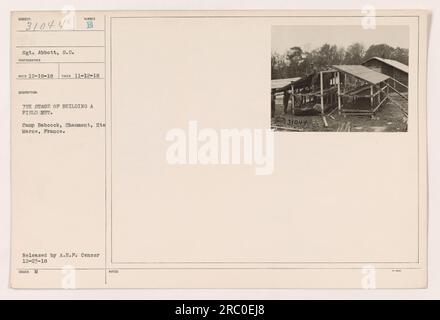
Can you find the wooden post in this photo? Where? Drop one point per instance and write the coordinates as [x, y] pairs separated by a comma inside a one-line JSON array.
[[378, 94], [338, 79], [292, 96], [371, 96], [345, 87], [322, 92]]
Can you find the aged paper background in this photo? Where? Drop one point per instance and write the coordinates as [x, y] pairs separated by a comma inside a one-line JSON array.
[[336, 202]]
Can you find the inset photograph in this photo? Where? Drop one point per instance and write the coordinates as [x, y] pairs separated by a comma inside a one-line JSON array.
[[339, 78]]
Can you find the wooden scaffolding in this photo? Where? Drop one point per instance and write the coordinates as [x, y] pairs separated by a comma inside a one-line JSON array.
[[348, 89], [362, 91]]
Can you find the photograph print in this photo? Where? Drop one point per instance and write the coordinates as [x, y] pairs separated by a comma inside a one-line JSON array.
[[339, 78]]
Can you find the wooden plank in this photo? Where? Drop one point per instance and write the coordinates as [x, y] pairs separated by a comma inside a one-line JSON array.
[[282, 83], [292, 97], [362, 73], [329, 70], [357, 95], [357, 110], [380, 104], [400, 107], [359, 114], [287, 128], [400, 83], [397, 91], [329, 114], [322, 91], [338, 76], [356, 90], [325, 121]]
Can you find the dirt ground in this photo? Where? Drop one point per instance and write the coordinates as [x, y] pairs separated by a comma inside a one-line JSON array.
[[389, 118]]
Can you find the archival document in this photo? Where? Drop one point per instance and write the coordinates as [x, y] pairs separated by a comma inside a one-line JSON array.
[[219, 149]]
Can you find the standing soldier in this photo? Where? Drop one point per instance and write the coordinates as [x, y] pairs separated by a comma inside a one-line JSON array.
[[272, 103], [286, 98]]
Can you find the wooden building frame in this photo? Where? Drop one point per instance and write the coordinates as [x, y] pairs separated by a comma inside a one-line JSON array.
[[314, 92], [330, 89], [368, 84], [397, 71]]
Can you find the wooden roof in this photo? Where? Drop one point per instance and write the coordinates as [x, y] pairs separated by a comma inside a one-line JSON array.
[[390, 62], [280, 83], [363, 73]]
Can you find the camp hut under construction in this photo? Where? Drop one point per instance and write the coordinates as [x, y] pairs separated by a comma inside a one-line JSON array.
[[350, 89], [362, 91], [346, 88], [316, 92], [397, 71], [281, 87], [313, 93]]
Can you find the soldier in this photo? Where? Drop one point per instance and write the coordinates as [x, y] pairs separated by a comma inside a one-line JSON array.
[[272, 103], [286, 98]]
